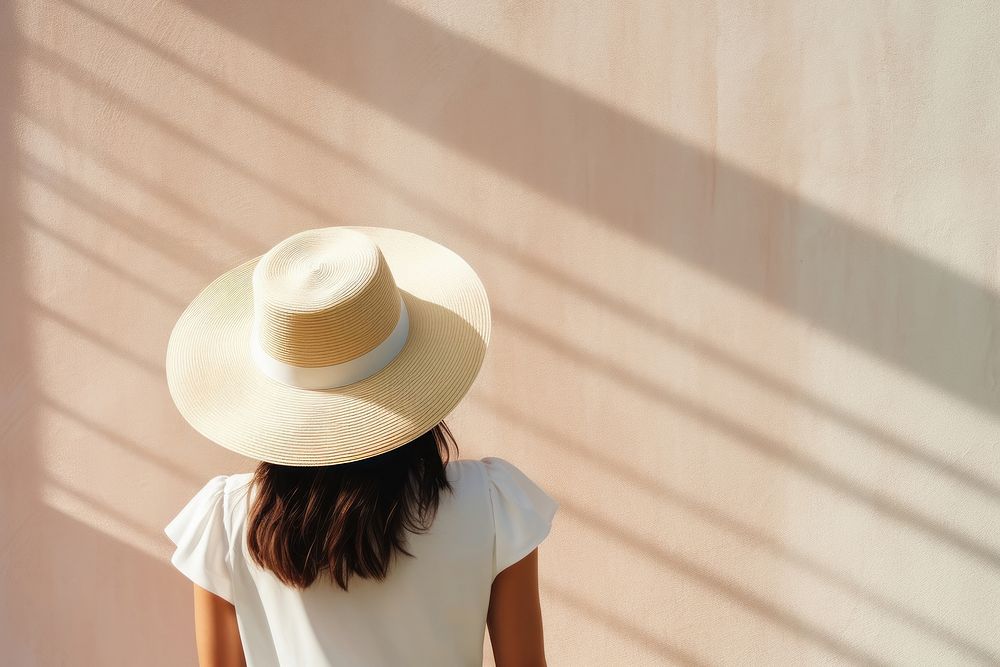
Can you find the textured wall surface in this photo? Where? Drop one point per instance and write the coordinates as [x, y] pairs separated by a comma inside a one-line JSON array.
[[743, 259]]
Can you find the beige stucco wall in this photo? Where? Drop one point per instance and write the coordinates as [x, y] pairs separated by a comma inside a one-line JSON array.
[[743, 259]]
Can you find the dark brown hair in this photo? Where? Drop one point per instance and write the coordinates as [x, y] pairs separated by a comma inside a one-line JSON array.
[[350, 518]]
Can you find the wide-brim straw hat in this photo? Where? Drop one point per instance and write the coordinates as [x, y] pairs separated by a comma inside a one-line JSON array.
[[337, 344]]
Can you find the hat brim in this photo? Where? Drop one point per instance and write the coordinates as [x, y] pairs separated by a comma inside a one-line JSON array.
[[218, 389]]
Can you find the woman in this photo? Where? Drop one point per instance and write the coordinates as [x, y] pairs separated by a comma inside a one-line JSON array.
[[333, 360]]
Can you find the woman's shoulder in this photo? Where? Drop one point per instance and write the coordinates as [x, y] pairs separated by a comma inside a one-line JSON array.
[[497, 475], [237, 482], [459, 468], [487, 467], [522, 510], [482, 470], [237, 489]]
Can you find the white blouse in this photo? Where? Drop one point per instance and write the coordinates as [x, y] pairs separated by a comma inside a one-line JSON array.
[[431, 610]]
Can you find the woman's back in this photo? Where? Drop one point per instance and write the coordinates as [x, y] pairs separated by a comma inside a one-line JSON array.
[[430, 610]]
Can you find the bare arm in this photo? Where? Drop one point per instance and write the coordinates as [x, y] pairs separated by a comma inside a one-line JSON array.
[[515, 615], [216, 631]]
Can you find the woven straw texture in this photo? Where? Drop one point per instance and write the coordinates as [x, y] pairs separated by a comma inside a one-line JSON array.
[[316, 315], [219, 390]]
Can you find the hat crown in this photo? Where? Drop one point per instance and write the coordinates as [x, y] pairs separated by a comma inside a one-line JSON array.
[[322, 297]]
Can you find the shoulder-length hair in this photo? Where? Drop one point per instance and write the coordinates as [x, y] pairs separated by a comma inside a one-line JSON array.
[[346, 519]]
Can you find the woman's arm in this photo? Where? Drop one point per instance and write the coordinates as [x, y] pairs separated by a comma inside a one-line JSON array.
[[216, 631], [515, 615]]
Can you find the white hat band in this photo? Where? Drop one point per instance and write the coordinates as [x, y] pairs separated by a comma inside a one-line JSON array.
[[334, 375]]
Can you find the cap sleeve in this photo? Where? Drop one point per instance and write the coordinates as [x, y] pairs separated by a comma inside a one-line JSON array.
[[199, 531], [522, 512]]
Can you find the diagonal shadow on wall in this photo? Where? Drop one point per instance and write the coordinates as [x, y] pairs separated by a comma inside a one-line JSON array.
[[53, 565], [491, 240], [508, 159], [665, 195], [699, 510]]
